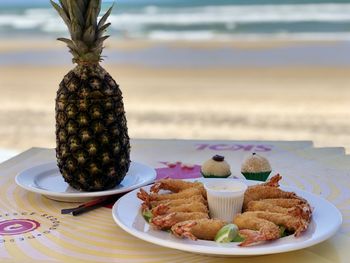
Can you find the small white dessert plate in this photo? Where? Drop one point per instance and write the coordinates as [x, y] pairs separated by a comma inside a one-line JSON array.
[[47, 180], [326, 220]]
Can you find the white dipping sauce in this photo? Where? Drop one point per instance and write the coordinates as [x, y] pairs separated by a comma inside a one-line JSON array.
[[227, 188], [225, 197]]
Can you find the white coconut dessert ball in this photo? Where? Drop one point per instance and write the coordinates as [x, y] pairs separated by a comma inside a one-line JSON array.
[[216, 167], [256, 167]]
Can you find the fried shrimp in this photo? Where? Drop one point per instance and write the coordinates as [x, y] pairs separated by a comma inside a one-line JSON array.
[[255, 229], [266, 190], [263, 205], [293, 207], [198, 229], [190, 207], [182, 201], [183, 209], [187, 193], [292, 223], [285, 202], [167, 221], [175, 186], [259, 192]]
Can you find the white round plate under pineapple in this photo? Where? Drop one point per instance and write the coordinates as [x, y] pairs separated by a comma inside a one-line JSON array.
[[47, 180], [325, 222]]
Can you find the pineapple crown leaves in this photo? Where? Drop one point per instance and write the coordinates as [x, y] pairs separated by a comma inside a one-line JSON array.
[[87, 33]]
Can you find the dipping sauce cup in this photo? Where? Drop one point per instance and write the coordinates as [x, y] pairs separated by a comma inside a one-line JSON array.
[[225, 198]]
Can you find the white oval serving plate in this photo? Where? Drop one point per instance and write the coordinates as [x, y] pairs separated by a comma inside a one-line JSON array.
[[47, 180], [326, 220]]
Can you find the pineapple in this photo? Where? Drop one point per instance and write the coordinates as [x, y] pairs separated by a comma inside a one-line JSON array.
[[92, 142]]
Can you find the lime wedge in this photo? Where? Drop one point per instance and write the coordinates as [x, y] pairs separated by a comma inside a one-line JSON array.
[[238, 238], [282, 231], [226, 234], [147, 215]]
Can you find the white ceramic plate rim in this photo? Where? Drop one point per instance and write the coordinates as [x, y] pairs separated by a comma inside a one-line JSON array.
[[149, 175], [263, 249]]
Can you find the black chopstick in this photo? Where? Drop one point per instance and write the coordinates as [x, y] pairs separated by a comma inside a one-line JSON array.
[[88, 206]]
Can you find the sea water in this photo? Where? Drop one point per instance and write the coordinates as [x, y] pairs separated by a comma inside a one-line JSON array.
[[192, 19]]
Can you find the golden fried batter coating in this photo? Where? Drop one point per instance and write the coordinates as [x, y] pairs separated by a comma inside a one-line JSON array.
[[187, 193], [299, 209], [176, 185], [167, 221], [291, 223], [259, 192], [190, 207], [255, 229], [285, 202], [182, 201], [198, 229]]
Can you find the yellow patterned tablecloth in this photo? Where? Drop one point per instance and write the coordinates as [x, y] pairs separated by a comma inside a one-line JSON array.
[[94, 237]]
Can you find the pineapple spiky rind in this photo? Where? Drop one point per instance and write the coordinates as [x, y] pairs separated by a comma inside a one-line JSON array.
[[92, 142]]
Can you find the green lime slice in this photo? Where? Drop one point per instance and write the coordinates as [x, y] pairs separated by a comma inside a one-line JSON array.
[[147, 215], [282, 231], [226, 234], [238, 238]]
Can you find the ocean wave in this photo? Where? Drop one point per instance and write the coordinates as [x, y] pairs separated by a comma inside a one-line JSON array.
[[30, 19], [211, 35], [186, 35], [197, 22], [237, 14]]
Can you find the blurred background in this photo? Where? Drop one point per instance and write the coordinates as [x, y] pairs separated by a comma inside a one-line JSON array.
[[190, 69]]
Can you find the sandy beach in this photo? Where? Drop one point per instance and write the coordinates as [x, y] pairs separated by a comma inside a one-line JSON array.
[[212, 102]]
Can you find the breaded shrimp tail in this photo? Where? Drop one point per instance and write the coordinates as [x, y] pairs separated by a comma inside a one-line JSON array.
[[296, 224], [144, 196], [167, 221], [181, 201], [187, 193], [274, 181], [198, 229], [255, 229], [259, 192], [298, 210], [191, 207], [175, 186]]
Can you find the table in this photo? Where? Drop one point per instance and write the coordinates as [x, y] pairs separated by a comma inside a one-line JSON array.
[[94, 237]]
